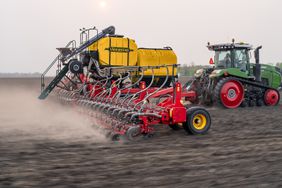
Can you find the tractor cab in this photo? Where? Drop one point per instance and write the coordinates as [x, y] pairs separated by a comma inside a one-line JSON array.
[[234, 81], [233, 59], [232, 55]]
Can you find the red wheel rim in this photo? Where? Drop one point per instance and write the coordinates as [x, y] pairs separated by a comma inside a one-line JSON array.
[[271, 97], [232, 94]]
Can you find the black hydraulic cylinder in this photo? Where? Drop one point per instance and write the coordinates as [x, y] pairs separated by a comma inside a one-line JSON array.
[[257, 68]]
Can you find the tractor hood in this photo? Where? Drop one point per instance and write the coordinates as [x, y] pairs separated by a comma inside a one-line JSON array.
[[228, 72]]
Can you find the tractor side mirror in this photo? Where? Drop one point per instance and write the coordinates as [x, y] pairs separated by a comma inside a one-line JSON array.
[[211, 61]]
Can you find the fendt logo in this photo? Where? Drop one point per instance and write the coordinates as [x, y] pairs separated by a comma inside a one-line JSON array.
[[119, 49]]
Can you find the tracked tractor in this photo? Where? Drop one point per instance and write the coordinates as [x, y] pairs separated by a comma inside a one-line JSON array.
[[234, 81]]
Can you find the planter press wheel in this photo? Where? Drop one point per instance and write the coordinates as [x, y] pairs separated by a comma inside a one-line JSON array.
[[229, 92], [116, 137], [133, 133], [198, 121], [271, 97]]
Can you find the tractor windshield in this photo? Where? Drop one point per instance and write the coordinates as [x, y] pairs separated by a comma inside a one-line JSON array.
[[240, 59], [223, 59], [236, 58]]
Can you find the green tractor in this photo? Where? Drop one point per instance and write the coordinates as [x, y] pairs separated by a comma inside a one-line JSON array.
[[234, 81]]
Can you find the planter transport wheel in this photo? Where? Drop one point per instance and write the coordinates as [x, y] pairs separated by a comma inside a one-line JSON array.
[[198, 121]]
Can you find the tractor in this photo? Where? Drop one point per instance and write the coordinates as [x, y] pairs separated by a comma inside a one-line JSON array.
[[233, 81]]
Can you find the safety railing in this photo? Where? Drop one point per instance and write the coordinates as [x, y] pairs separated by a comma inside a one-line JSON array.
[[58, 61]]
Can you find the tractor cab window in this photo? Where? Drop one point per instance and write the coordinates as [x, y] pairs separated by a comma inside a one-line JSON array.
[[223, 59], [240, 60]]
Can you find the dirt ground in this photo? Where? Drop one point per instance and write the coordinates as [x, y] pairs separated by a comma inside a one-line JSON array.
[[43, 144]]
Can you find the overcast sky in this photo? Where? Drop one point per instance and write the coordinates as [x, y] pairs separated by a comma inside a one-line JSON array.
[[32, 29]]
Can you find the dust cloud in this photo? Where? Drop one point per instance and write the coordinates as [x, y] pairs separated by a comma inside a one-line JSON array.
[[24, 117]]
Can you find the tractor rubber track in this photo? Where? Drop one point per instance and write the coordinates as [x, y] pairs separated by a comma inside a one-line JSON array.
[[244, 82], [254, 84], [258, 85]]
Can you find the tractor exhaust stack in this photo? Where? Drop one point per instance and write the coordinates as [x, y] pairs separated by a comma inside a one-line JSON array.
[[257, 68]]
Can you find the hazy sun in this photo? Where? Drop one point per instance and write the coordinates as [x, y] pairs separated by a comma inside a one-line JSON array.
[[103, 4]]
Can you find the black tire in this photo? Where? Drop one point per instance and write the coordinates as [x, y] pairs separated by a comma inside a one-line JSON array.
[[192, 115], [133, 133], [116, 137], [175, 127], [75, 66]]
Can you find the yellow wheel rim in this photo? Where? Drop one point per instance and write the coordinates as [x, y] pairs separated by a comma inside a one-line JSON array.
[[199, 121]]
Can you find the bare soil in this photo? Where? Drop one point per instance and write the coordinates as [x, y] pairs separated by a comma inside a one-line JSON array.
[[43, 144]]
